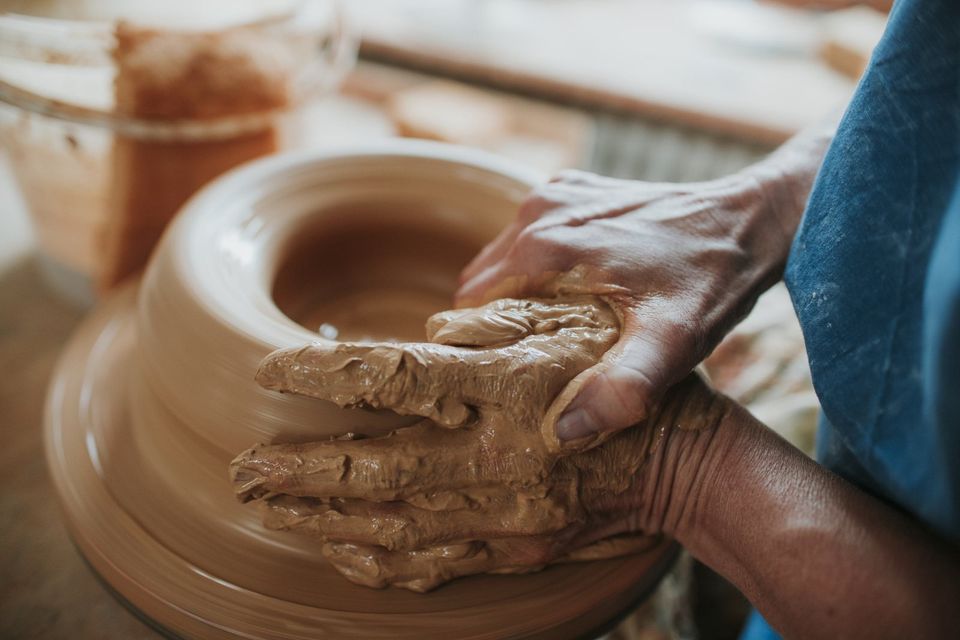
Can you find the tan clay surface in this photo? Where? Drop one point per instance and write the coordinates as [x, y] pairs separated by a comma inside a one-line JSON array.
[[155, 396], [373, 299], [202, 565]]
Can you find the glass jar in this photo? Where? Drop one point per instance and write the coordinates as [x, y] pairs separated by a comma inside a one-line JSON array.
[[113, 114]]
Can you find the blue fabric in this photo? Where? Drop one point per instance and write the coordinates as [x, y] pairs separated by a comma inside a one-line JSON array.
[[874, 275], [873, 303], [756, 628]]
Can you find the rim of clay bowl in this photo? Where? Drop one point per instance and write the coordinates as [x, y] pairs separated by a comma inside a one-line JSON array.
[[237, 192], [206, 310]]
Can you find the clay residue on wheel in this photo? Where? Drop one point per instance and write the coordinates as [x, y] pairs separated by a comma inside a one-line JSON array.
[[480, 484]]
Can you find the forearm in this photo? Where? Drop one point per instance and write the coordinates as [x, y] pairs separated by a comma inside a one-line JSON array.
[[815, 555]]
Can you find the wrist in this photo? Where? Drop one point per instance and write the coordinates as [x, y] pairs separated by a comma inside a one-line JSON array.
[[698, 433], [709, 463], [785, 178], [783, 197], [754, 209]]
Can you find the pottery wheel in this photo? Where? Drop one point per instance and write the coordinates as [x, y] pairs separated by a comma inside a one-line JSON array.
[[154, 395], [105, 486]]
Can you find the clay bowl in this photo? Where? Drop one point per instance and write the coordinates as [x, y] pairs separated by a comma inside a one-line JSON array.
[[155, 395]]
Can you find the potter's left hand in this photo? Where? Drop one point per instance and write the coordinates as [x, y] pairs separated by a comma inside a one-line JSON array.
[[480, 484]]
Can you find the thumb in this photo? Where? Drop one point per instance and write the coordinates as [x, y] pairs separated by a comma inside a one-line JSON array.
[[619, 391]]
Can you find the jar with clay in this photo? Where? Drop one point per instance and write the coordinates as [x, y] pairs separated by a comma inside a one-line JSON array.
[[112, 114]]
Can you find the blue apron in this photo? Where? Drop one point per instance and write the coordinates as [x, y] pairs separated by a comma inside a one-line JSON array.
[[874, 274]]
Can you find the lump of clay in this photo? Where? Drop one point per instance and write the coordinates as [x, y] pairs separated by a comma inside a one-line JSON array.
[[480, 484]]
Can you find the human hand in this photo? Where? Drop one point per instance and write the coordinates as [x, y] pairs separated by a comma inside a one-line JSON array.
[[883, 6], [479, 485], [682, 263]]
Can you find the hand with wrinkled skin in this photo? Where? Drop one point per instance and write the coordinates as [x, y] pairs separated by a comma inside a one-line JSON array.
[[683, 263], [480, 484], [478, 488]]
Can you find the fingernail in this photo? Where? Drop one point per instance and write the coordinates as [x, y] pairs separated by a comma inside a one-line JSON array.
[[575, 424]]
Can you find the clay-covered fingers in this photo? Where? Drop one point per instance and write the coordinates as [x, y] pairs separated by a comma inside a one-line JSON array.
[[424, 569], [526, 271], [508, 321], [492, 253], [420, 571], [429, 567], [438, 382], [401, 526], [417, 460], [533, 207], [612, 547], [385, 524], [544, 241], [506, 353], [541, 200], [516, 265]]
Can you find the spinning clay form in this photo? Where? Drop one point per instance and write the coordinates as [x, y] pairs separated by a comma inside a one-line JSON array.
[[156, 394]]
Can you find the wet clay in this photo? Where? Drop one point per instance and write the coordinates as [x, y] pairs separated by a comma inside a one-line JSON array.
[[401, 271], [198, 77], [179, 548], [479, 484], [155, 395]]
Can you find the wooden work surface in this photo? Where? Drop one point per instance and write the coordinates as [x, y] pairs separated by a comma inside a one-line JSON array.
[[751, 72], [46, 589]]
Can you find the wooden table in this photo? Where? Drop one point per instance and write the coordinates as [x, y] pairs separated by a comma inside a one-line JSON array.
[[732, 68], [46, 589]]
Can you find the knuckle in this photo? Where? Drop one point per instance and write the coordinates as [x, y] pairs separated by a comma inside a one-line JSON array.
[[536, 204], [530, 243], [690, 334], [528, 236], [572, 176], [543, 198], [408, 536], [536, 248], [539, 234], [396, 538]]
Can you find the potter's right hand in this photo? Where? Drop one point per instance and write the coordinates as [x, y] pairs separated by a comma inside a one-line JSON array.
[[681, 262]]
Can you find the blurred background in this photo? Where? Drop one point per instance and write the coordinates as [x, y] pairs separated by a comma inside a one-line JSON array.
[[649, 89], [112, 113]]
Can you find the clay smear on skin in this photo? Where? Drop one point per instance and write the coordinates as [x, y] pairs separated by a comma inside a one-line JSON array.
[[401, 510]]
